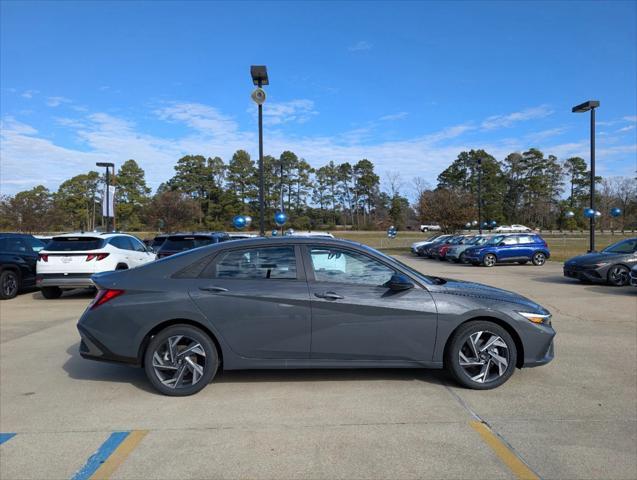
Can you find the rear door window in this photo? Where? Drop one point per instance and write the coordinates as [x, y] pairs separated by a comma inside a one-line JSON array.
[[525, 239], [254, 264], [510, 240], [72, 244], [123, 243]]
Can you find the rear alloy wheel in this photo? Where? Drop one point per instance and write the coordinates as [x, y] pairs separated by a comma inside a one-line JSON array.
[[489, 260], [51, 293], [9, 284], [482, 355], [462, 258], [618, 275], [181, 360], [539, 259]]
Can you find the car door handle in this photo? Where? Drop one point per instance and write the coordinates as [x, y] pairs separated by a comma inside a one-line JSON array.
[[329, 296], [213, 288]]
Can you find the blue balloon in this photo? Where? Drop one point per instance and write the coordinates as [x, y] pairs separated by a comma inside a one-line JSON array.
[[275, 233], [589, 213], [239, 222], [615, 212], [468, 225], [485, 224], [569, 214], [280, 218], [493, 223]]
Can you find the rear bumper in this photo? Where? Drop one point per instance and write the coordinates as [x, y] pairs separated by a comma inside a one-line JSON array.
[[92, 349], [70, 280]]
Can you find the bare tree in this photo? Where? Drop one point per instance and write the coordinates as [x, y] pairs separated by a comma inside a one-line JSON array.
[[393, 182]]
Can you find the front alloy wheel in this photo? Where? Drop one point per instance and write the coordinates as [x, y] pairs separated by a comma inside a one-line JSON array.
[[489, 260], [618, 275], [482, 355], [539, 259], [181, 360]]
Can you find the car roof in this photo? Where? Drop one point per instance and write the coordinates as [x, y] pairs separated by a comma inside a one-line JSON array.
[[14, 234], [91, 234]]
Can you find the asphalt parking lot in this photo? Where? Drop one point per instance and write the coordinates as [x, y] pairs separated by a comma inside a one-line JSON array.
[[575, 418]]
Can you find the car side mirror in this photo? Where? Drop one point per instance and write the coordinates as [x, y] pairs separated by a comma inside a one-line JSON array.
[[398, 283]]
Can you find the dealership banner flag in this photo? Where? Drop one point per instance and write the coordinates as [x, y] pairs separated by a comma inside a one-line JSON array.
[[111, 202]]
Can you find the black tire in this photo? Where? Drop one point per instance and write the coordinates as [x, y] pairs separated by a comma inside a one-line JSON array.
[[462, 258], [539, 259], [209, 369], [51, 293], [457, 342], [618, 275], [9, 284], [489, 260]]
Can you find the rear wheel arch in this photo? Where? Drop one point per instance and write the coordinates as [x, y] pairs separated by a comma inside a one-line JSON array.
[[121, 266], [13, 268], [170, 323], [510, 330]]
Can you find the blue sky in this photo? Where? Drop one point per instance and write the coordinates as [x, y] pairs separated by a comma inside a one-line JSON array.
[[407, 85]]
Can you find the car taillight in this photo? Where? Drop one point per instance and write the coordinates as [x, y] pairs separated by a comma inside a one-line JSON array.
[[44, 257], [104, 296], [97, 256]]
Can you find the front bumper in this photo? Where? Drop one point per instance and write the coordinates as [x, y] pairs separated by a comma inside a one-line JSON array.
[[633, 278], [69, 280], [582, 273], [547, 358]]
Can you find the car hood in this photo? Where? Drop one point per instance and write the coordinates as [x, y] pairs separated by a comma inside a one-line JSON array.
[[591, 258], [479, 290]]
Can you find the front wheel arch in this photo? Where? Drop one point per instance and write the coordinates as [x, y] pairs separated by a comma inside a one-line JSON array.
[[510, 330], [177, 321]]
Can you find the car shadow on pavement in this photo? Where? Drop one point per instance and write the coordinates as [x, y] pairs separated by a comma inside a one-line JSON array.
[[438, 377], [76, 294], [597, 287], [79, 368]]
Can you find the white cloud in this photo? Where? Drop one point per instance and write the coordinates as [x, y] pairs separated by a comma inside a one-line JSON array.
[[360, 46], [29, 93], [503, 121], [28, 158], [394, 116], [626, 129], [56, 101], [631, 118], [293, 111]]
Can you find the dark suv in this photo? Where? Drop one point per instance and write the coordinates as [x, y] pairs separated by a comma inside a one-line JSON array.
[[18, 260], [180, 242], [520, 248]]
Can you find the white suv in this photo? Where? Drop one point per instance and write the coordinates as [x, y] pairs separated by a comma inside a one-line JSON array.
[[511, 228], [69, 260]]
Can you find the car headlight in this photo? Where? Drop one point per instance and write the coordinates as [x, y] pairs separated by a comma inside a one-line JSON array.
[[538, 318]]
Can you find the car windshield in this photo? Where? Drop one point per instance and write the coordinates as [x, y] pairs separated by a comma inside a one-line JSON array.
[[625, 246], [479, 241], [186, 243], [74, 244]]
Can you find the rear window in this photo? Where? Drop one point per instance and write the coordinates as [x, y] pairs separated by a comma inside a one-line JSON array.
[[71, 244], [186, 243], [158, 242]]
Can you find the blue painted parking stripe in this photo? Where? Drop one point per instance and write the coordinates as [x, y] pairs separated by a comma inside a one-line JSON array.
[[5, 437], [96, 460]]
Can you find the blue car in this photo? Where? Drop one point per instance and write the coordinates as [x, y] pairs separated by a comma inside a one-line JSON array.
[[521, 248]]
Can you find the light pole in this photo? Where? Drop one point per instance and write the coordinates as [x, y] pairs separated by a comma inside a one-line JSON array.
[[585, 107], [107, 165], [480, 196], [259, 75]]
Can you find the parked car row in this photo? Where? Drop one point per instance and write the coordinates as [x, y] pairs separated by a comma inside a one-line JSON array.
[[487, 250]]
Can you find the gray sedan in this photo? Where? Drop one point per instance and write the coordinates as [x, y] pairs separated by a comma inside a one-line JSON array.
[[306, 303]]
